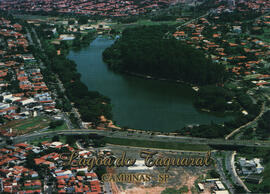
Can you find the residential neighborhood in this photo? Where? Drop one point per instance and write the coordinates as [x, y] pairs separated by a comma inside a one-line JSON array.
[[23, 90], [15, 178], [63, 90], [106, 8]]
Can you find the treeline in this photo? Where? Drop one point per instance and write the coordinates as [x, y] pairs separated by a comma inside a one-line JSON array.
[[91, 104], [221, 99], [144, 50], [263, 129], [215, 99], [238, 15], [214, 130], [164, 17]]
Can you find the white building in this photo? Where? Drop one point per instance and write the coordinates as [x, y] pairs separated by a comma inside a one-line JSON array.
[[63, 173], [66, 37], [201, 187], [251, 166], [4, 106], [27, 101], [222, 192], [219, 185]]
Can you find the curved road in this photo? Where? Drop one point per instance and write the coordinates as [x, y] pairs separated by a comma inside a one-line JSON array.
[[247, 124]]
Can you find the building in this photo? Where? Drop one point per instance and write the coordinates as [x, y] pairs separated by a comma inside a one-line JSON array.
[[219, 185], [254, 179], [201, 187], [237, 29], [222, 192], [66, 37], [251, 166]]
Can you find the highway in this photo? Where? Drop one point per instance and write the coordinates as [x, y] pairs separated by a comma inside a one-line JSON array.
[[143, 136]]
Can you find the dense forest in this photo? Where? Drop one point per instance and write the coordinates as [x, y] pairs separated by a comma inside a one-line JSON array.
[[215, 99], [263, 129], [144, 50]]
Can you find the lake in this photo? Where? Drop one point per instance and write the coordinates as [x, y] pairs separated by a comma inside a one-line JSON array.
[[136, 102]]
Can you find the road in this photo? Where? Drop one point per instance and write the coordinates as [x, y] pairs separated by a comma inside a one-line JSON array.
[[73, 110], [37, 38], [107, 188], [223, 177], [190, 21], [247, 124], [29, 37], [230, 159], [65, 116], [144, 136], [186, 23]]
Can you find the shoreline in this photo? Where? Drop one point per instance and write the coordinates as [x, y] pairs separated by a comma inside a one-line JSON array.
[[119, 128], [155, 78]]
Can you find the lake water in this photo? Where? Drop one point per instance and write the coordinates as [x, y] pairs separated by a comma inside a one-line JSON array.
[[139, 103]]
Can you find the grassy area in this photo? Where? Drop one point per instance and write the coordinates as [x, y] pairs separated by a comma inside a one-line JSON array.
[[36, 17], [28, 125], [183, 189], [154, 144], [263, 153], [264, 184], [33, 123], [149, 22], [142, 22], [37, 141], [265, 36], [59, 128]]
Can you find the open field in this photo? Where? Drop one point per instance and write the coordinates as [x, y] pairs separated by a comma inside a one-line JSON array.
[[142, 22], [28, 125], [32, 17], [162, 145], [58, 128]]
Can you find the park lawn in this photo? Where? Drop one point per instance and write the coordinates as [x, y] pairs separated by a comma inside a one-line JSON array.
[[155, 144]]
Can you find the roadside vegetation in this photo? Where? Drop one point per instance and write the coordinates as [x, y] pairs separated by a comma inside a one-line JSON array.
[[264, 154], [90, 104]]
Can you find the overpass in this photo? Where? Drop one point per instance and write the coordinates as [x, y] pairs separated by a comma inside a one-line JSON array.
[[142, 136]]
